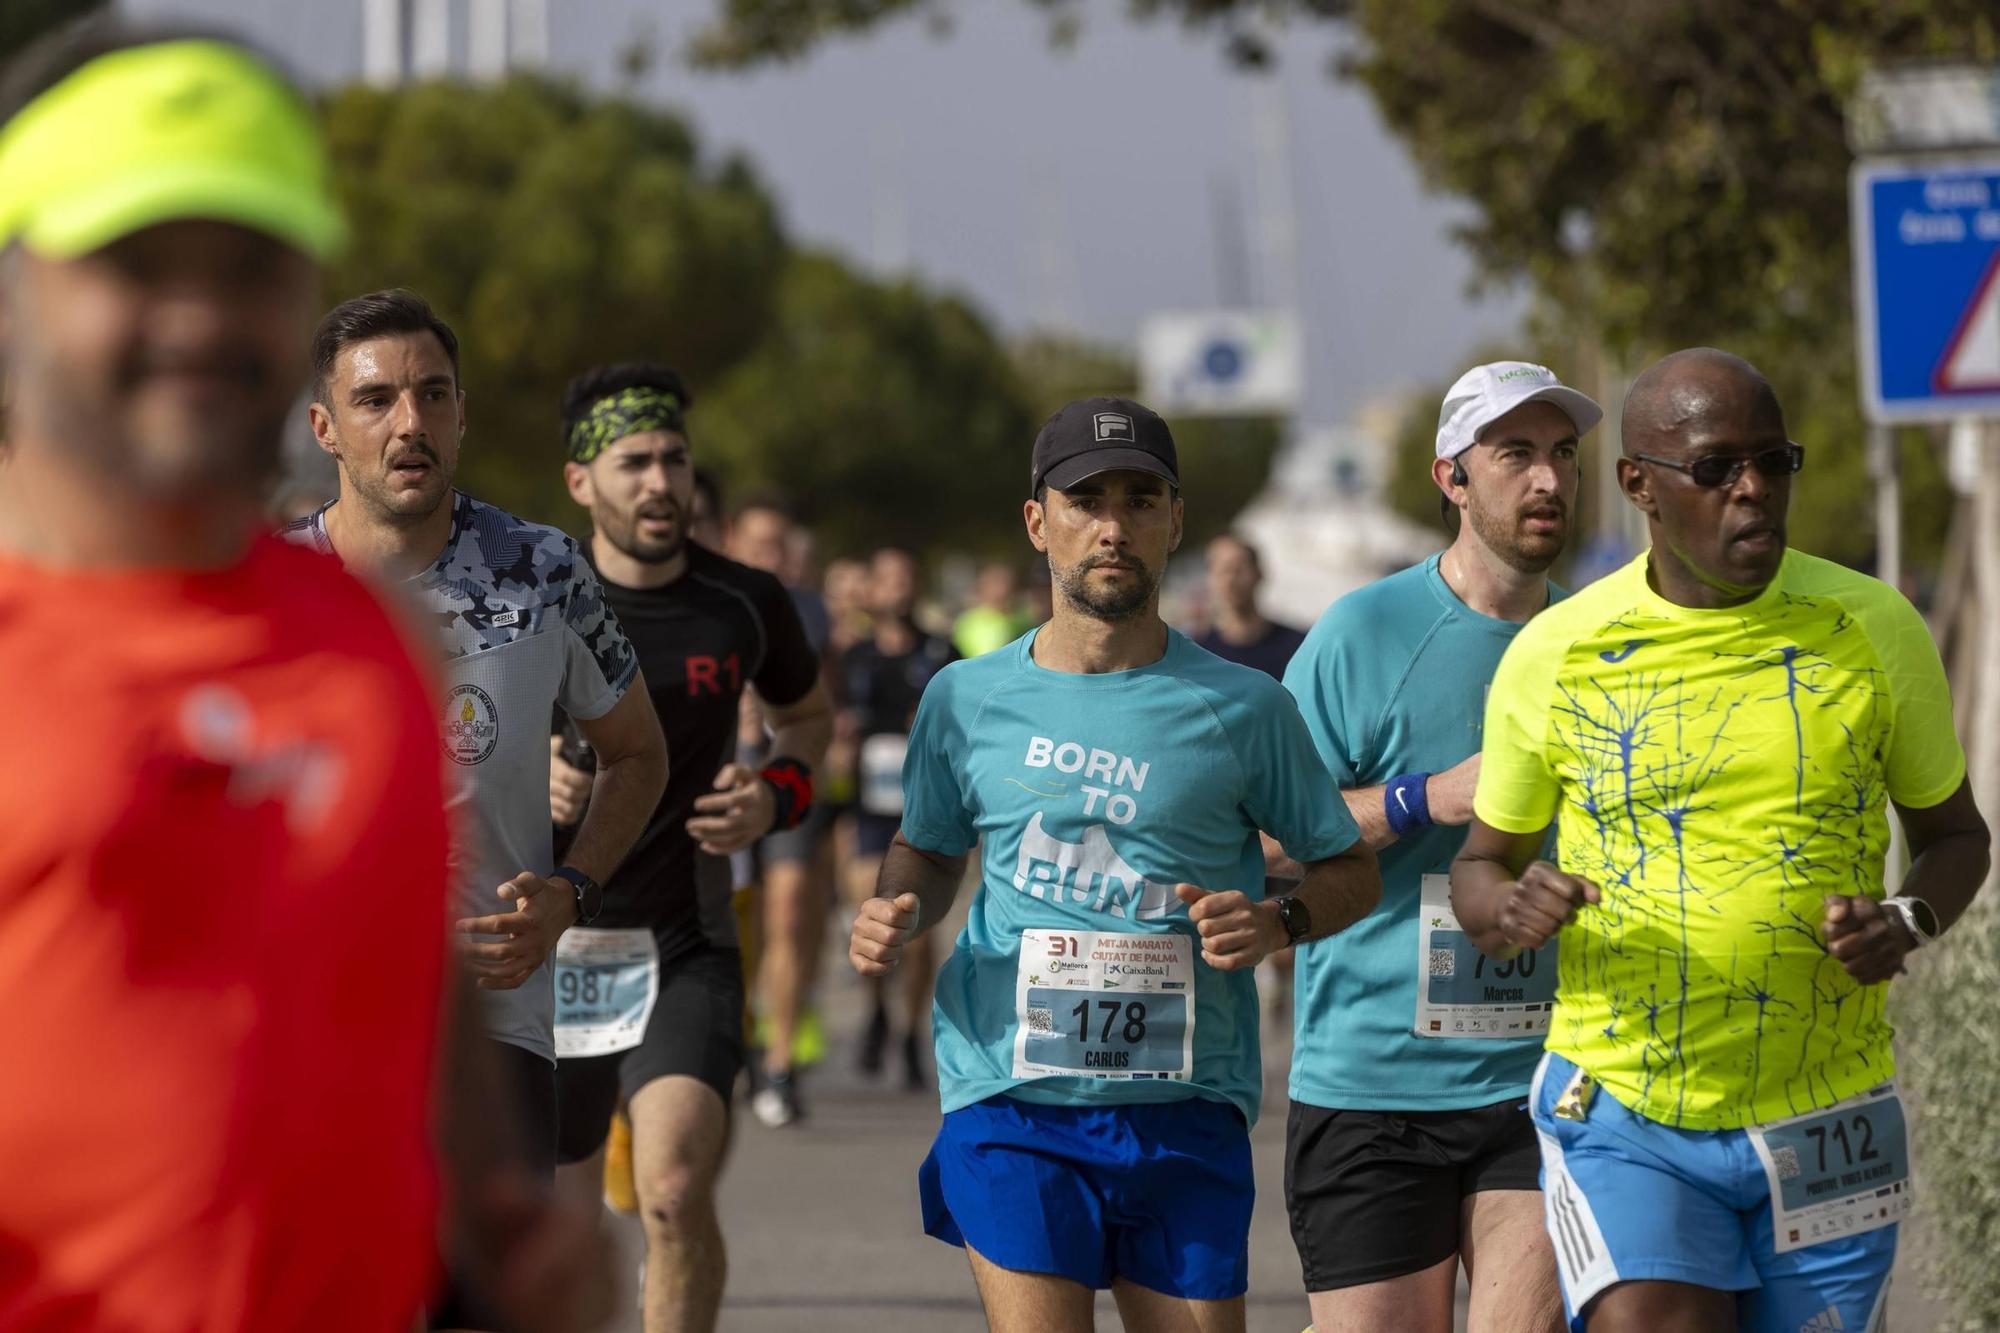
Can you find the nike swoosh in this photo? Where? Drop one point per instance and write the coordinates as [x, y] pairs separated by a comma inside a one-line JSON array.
[[1402, 800], [1631, 646]]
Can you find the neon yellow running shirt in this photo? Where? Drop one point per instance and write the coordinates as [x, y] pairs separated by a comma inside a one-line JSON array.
[[1718, 774]]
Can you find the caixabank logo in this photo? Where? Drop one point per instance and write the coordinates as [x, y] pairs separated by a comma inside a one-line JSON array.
[[471, 724]]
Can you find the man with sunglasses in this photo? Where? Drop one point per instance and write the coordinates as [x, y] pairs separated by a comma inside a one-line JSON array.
[[1716, 729]]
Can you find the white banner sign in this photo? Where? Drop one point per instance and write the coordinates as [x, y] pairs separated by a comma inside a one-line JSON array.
[[1221, 363]]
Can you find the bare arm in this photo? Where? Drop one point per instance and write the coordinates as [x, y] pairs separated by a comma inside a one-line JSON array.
[[1949, 855], [1504, 898], [914, 892], [1448, 794], [504, 949], [631, 774], [1950, 852], [803, 728], [744, 807], [1365, 804], [1339, 891], [1238, 932]]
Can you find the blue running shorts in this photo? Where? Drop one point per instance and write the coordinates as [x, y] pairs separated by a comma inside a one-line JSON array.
[[1626, 1198], [1157, 1193]]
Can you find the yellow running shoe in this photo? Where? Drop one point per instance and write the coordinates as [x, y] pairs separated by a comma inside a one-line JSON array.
[[808, 1038], [621, 1195]]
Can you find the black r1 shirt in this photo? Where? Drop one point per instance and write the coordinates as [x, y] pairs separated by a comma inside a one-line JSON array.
[[1271, 654], [701, 639]]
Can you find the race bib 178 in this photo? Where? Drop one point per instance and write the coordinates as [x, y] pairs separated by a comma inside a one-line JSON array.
[[1091, 1004]]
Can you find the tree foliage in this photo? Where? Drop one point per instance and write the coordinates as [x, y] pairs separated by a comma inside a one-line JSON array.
[[891, 415], [1661, 175], [554, 231], [747, 32]]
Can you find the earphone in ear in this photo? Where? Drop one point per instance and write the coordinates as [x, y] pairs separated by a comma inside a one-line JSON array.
[[1458, 477]]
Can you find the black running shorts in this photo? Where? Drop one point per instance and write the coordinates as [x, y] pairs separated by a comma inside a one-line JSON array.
[[1375, 1195], [696, 1031]]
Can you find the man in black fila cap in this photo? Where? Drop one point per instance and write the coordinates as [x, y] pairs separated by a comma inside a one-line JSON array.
[[1097, 1023]]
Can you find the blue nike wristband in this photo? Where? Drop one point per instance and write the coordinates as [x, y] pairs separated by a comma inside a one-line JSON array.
[[1406, 803]]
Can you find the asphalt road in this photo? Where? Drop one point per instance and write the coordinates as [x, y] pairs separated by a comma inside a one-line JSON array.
[[824, 1233]]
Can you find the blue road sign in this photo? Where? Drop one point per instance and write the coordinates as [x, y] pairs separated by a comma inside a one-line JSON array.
[[1927, 287]]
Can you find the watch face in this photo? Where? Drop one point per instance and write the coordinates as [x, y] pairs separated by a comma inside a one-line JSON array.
[[1297, 920]]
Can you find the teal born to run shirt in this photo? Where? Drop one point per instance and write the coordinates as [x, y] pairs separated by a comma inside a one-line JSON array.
[[1399, 1012], [1078, 979]]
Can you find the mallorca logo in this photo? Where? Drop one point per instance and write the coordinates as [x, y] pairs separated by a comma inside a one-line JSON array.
[[471, 724]]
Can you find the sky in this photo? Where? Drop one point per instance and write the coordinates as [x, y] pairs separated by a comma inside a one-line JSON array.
[[1077, 189]]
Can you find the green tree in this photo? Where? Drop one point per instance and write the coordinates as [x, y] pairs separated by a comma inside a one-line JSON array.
[[1662, 175], [888, 413], [554, 231]]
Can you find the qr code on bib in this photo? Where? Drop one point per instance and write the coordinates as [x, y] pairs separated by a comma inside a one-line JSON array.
[[1041, 1020], [1786, 1160], [1444, 962]]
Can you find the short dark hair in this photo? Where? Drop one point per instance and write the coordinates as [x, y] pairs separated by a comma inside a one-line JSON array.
[[767, 501], [1256, 557], [709, 486], [376, 315], [583, 392], [63, 50]]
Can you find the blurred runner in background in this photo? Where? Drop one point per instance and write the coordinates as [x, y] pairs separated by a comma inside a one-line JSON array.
[[995, 618], [879, 681], [791, 869], [1237, 630]]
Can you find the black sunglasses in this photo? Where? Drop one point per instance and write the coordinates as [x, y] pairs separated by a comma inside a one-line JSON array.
[[1724, 469]]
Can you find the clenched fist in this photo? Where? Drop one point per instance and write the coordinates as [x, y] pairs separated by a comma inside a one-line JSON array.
[[881, 929], [1544, 900], [1235, 932]]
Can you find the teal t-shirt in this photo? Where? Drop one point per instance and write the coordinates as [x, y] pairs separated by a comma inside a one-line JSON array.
[[1078, 979], [1392, 680]]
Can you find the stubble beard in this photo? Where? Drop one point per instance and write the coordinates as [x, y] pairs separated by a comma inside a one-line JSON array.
[[1113, 605], [1502, 534]]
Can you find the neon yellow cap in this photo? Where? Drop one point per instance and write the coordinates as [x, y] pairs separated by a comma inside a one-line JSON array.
[[161, 133]]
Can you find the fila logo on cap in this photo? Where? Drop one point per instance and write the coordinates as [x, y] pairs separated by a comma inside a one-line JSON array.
[[1113, 426]]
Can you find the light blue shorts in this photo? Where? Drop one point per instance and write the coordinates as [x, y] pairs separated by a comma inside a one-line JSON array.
[[1626, 1199]]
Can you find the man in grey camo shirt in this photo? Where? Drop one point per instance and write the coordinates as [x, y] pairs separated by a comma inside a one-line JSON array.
[[523, 628]]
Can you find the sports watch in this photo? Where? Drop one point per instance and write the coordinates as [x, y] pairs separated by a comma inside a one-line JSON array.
[[1296, 918], [589, 893], [1904, 908]]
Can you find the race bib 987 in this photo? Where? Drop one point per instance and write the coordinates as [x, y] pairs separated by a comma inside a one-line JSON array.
[[606, 984]]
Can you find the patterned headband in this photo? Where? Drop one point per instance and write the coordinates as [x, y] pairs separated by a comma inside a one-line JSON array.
[[627, 412]]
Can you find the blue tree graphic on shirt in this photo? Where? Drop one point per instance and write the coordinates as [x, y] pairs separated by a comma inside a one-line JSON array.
[[1639, 751]]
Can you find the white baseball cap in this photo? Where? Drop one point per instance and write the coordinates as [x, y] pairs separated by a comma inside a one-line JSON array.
[[1486, 393]]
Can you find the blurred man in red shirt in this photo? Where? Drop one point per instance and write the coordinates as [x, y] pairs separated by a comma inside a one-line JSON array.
[[223, 946]]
